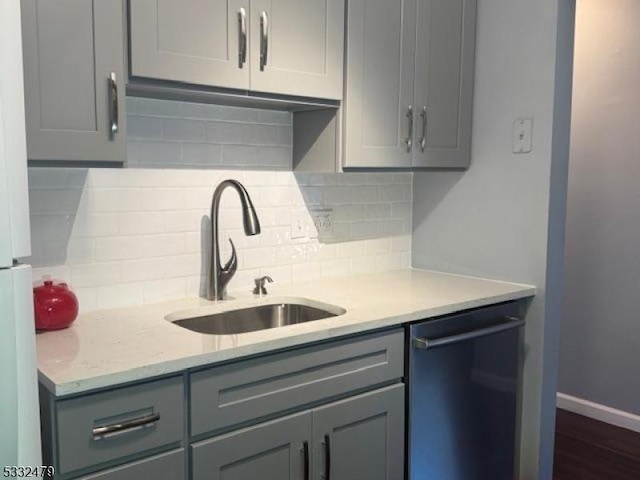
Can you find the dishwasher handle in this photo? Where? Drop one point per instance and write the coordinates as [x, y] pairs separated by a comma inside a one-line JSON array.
[[423, 343]]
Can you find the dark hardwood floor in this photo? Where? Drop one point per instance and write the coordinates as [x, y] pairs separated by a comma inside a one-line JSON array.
[[590, 450]]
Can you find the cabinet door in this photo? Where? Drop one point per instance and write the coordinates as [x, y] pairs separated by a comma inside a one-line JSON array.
[[168, 466], [191, 41], [273, 450], [444, 82], [72, 49], [361, 438], [379, 85], [297, 47]]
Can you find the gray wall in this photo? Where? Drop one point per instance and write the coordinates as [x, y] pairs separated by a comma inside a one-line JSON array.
[[504, 218], [600, 323]]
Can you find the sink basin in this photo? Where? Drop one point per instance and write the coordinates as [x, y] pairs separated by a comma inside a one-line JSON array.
[[258, 317]]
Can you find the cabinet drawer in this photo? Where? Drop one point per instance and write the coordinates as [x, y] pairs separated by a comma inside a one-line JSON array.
[[153, 411], [249, 390], [168, 466]]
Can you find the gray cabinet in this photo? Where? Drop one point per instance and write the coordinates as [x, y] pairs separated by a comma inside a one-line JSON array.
[[193, 41], [284, 415], [409, 83], [304, 45], [167, 466], [99, 430], [74, 79], [443, 99], [289, 47], [278, 450], [250, 390], [360, 438], [381, 44]]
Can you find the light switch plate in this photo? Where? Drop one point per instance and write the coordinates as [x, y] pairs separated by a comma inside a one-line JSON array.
[[522, 135], [299, 224]]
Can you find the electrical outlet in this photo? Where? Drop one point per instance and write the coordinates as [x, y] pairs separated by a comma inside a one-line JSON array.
[[322, 223]]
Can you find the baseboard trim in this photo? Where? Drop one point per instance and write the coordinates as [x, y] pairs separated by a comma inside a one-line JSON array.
[[599, 412]]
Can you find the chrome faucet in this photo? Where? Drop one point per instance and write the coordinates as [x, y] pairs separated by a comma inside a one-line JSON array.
[[220, 276]]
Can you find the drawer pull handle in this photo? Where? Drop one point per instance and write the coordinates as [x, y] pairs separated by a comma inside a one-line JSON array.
[[118, 428]]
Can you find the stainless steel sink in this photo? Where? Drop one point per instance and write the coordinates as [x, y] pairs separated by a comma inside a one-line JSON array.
[[260, 317]]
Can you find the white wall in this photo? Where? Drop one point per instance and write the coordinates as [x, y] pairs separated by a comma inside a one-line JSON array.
[[129, 236], [600, 327], [504, 217]]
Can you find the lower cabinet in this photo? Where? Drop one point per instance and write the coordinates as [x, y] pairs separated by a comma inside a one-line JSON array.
[[270, 450], [168, 466], [332, 411], [359, 438]]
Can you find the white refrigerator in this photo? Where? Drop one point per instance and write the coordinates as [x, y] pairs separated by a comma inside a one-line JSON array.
[[19, 414]]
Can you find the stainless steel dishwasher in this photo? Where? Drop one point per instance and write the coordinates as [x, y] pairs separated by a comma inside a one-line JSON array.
[[464, 395]]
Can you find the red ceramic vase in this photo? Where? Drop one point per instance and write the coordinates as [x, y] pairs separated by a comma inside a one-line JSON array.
[[55, 306]]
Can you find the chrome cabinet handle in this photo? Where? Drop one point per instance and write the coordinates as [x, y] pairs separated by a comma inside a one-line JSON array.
[[242, 37], [113, 104], [124, 427], [327, 457], [264, 40], [426, 343], [409, 139], [305, 449], [423, 140]]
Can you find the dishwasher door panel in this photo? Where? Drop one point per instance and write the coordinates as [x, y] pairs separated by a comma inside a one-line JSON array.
[[464, 396]]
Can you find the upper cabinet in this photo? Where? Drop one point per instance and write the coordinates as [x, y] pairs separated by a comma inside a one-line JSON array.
[[409, 83], [287, 47], [74, 79], [379, 95], [203, 42], [443, 98]]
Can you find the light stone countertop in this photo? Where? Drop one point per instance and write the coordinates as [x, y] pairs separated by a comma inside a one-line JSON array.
[[112, 347]]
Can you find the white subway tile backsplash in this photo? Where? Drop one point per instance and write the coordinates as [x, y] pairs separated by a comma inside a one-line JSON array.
[[145, 127], [160, 108], [377, 246], [140, 223], [95, 274], [80, 251], [162, 245], [180, 129], [143, 269], [57, 273], [401, 243], [260, 257], [118, 248], [122, 237], [94, 225], [201, 154], [153, 154], [118, 295], [166, 289]]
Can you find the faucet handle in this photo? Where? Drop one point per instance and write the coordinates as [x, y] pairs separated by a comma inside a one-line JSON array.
[[260, 288], [232, 264]]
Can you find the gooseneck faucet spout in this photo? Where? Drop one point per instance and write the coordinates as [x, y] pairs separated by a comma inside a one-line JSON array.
[[220, 276]]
